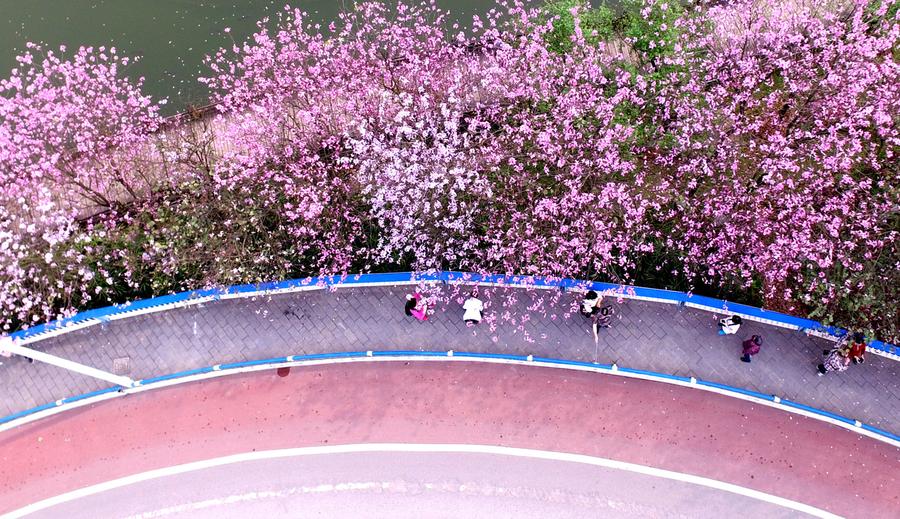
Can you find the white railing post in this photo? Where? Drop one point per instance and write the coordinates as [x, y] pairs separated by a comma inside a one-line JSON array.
[[7, 346]]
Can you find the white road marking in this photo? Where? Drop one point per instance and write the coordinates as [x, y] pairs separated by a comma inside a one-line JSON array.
[[426, 448], [259, 495]]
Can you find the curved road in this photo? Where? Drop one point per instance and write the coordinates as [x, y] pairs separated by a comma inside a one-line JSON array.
[[634, 421]]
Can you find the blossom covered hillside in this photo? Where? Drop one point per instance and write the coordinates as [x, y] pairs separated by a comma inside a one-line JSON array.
[[746, 148]]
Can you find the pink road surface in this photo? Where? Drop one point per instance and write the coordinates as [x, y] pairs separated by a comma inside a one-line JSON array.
[[636, 421]]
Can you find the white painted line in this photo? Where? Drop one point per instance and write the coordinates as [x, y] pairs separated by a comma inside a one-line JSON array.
[[420, 448], [67, 364], [149, 310], [644, 298], [277, 291], [743, 316], [884, 354]]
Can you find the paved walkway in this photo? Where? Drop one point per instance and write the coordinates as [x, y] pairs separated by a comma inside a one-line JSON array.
[[653, 336]]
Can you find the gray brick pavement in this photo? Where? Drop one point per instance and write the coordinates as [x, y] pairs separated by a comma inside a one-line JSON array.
[[652, 336]]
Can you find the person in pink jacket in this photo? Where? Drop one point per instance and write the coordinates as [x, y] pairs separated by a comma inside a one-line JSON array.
[[416, 306]]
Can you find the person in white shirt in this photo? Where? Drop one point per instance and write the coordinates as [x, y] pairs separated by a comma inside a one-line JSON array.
[[729, 325], [473, 308], [590, 305]]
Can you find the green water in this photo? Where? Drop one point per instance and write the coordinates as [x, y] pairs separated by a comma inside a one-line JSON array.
[[171, 36]]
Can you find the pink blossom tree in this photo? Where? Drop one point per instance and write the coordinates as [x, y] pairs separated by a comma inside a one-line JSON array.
[[67, 130], [784, 135], [63, 118], [750, 143]]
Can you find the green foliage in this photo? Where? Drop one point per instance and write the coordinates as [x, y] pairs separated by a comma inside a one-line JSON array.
[[649, 29], [651, 34], [596, 24], [187, 240], [652, 31]]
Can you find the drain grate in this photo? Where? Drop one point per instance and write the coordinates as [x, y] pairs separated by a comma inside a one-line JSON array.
[[122, 365]]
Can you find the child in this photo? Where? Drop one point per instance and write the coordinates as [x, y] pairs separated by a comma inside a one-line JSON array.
[[5, 340], [473, 308], [729, 325], [601, 319], [857, 348], [751, 347]]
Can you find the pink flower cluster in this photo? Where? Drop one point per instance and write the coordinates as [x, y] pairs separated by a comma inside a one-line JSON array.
[[61, 120], [754, 141], [783, 162]]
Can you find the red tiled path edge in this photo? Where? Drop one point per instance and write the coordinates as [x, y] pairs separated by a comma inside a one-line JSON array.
[[636, 421]]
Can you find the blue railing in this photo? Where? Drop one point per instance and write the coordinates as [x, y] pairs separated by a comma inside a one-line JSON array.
[[99, 315], [403, 354]]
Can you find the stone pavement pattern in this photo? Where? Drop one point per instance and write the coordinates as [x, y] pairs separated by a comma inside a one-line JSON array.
[[644, 335]]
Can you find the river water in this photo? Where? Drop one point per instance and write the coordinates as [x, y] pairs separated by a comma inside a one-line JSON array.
[[171, 36]]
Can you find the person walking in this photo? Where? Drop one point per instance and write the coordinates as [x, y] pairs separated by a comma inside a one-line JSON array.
[[751, 347], [416, 306], [473, 309], [837, 359], [604, 316], [857, 348], [729, 325], [601, 319]]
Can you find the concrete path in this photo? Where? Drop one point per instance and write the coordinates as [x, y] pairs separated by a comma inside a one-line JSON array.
[[653, 336]]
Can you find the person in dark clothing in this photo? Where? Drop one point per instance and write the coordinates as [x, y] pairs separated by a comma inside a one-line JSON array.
[[604, 317], [410, 305], [751, 347], [837, 360]]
